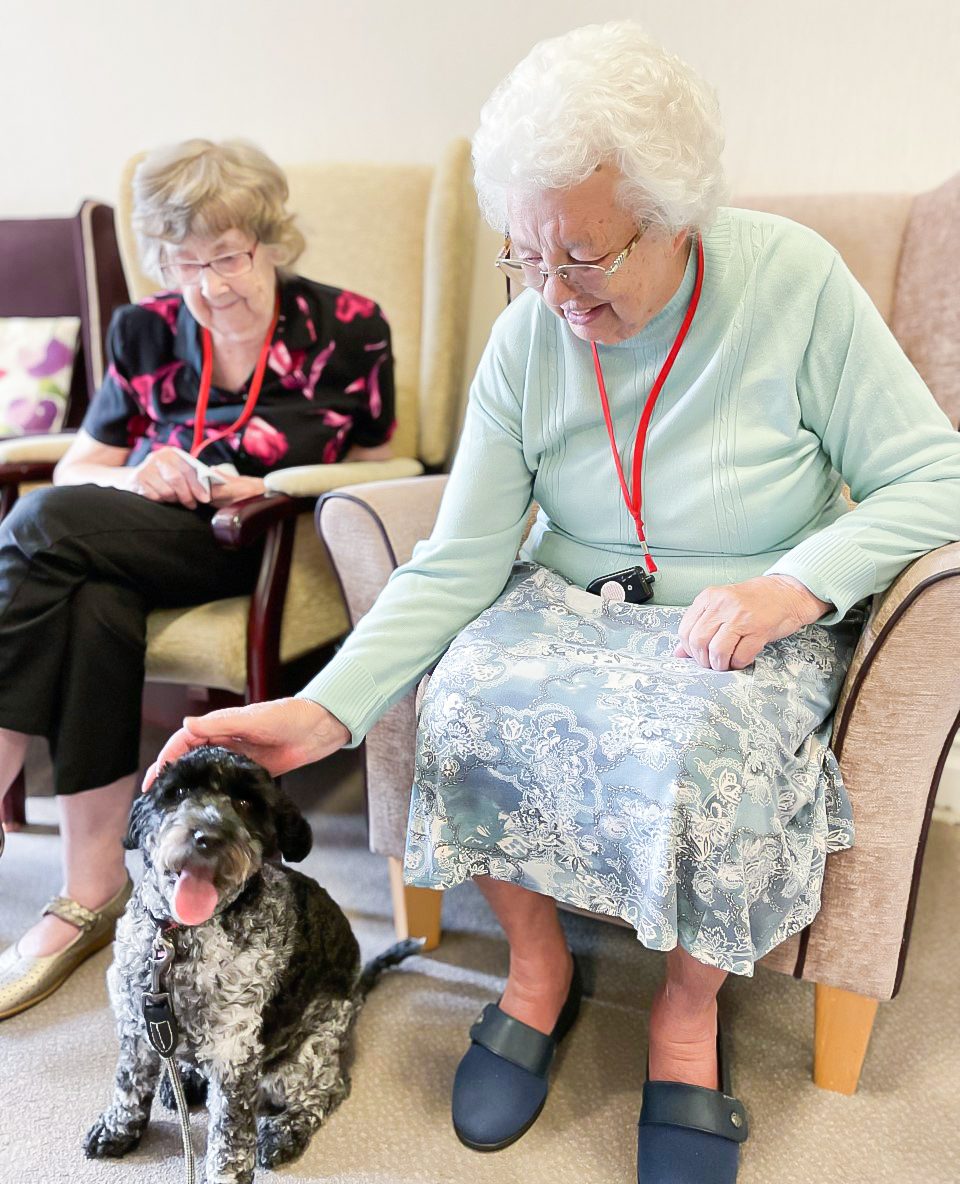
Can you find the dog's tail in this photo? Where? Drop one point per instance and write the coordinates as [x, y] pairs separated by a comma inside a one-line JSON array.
[[390, 957]]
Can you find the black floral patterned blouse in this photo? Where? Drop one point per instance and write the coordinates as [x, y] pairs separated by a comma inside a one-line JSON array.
[[328, 383]]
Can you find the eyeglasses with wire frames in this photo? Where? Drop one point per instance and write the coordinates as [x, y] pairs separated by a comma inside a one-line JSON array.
[[591, 278], [189, 274]]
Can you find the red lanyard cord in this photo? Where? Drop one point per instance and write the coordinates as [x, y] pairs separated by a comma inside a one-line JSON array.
[[634, 503], [206, 377]]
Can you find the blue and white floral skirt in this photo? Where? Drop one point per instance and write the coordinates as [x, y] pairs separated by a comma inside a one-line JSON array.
[[563, 747]]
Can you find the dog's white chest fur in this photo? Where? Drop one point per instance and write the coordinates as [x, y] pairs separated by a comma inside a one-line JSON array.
[[220, 988]]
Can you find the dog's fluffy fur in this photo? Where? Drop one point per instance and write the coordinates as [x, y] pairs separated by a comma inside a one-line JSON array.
[[265, 991]]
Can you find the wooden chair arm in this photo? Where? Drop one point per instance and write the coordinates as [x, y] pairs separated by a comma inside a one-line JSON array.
[[16, 472], [243, 523]]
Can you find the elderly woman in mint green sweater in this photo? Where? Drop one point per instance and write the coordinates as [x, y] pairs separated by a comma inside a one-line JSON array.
[[635, 718]]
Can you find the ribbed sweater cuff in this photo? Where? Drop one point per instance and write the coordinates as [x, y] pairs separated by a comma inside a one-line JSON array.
[[349, 693], [834, 569]]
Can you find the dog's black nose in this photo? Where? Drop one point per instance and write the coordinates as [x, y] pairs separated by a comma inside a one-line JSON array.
[[205, 841]]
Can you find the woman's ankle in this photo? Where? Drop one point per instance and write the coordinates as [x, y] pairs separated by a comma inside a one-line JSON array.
[[537, 988], [94, 894]]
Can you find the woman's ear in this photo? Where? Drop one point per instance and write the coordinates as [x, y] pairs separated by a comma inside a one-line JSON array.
[[294, 836]]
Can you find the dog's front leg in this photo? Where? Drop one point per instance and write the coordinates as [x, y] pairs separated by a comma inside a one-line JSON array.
[[120, 1127], [232, 1133]]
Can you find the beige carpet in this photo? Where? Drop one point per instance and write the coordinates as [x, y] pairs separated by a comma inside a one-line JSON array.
[[56, 1061]]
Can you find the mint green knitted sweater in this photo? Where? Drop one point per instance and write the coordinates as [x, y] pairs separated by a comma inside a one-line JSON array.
[[788, 385]]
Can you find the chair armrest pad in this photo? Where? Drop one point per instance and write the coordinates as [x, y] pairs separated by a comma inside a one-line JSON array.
[[912, 583], [314, 480], [243, 523], [40, 448]]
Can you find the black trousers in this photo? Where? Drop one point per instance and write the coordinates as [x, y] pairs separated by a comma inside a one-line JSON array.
[[80, 569]]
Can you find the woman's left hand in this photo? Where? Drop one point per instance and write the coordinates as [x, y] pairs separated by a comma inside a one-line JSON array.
[[235, 489], [726, 627]]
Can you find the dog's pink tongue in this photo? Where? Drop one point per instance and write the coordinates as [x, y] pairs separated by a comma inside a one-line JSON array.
[[194, 898]]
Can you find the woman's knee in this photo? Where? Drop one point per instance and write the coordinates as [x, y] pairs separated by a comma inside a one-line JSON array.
[[55, 511]]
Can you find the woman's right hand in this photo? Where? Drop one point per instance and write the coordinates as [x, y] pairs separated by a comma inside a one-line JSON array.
[[166, 476], [281, 735]]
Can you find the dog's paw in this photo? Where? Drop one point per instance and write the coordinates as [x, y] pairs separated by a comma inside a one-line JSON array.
[[194, 1087], [102, 1141], [281, 1138]]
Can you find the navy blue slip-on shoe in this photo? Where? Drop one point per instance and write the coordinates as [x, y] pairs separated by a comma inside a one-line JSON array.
[[502, 1081], [688, 1134]]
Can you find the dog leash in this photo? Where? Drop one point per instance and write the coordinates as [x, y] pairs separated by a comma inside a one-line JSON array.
[[163, 1032]]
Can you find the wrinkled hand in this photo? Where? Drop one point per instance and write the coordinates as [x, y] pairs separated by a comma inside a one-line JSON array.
[[727, 626], [165, 476], [235, 489], [281, 735]]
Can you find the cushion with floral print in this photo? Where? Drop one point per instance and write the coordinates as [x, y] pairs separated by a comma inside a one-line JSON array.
[[36, 362]]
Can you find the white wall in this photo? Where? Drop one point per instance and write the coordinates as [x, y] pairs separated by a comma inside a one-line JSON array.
[[824, 95]]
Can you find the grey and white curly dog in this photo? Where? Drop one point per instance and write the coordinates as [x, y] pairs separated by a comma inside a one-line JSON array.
[[266, 980]]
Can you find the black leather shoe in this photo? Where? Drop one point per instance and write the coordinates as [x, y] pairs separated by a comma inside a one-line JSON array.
[[502, 1081], [688, 1134]]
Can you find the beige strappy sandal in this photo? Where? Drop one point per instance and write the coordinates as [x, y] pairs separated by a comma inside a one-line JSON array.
[[25, 980]]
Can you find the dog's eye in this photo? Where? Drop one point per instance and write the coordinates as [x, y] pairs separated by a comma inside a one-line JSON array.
[[241, 803], [181, 792]]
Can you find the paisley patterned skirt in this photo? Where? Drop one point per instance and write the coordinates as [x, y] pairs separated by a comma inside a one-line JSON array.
[[563, 747]]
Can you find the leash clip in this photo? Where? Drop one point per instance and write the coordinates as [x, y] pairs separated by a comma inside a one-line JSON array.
[[162, 958]]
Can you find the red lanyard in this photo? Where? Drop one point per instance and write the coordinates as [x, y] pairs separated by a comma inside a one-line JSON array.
[[634, 503], [206, 375]]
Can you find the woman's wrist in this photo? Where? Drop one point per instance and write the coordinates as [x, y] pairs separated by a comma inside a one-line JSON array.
[[328, 733], [810, 607]]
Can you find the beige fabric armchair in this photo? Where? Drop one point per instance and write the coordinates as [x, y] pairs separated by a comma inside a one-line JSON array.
[[900, 705]]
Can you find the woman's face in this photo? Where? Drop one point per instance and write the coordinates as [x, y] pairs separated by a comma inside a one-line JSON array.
[[584, 224], [235, 309]]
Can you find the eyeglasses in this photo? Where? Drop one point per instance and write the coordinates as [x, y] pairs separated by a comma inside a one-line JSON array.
[[188, 275], [587, 277]]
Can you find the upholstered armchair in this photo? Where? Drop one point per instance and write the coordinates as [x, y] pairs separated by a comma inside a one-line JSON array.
[[403, 235], [898, 711]]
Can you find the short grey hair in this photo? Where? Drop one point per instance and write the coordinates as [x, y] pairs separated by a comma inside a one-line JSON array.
[[604, 94], [204, 188]]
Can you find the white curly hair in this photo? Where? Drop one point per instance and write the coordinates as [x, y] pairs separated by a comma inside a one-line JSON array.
[[604, 94], [205, 188]]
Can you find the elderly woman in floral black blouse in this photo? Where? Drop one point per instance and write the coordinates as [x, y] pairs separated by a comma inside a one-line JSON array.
[[239, 368]]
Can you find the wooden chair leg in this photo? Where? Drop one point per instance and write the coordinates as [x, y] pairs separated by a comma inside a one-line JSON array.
[[842, 1025], [416, 911], [13, 807]]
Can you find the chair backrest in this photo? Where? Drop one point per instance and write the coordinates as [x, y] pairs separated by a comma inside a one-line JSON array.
[[905, 251], [402, 235], [66, 267]]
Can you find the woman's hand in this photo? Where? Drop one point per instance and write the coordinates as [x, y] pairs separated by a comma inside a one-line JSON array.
[[166, 476], [235, 489], [280, 735], [726, 627]]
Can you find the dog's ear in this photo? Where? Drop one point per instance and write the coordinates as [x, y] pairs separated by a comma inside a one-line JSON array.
[[294, 836], [138, 822]]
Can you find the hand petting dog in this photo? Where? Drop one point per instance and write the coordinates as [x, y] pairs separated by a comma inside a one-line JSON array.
[[281, 735]]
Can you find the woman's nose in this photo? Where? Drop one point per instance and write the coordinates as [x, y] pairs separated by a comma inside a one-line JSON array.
[[559, 292], [212, 285]]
